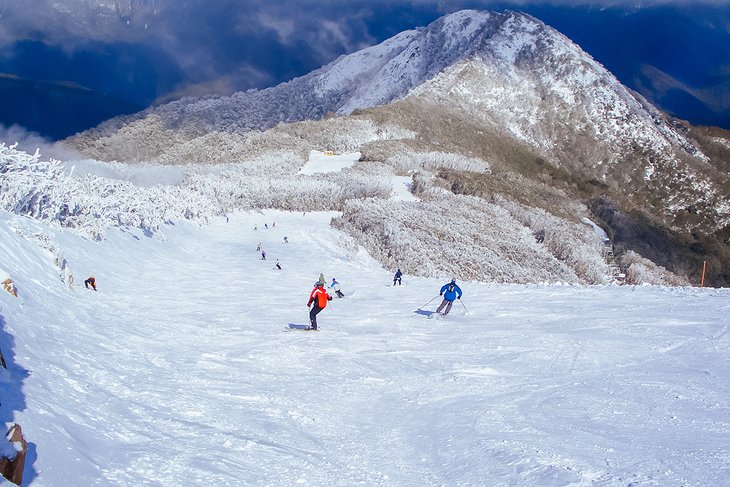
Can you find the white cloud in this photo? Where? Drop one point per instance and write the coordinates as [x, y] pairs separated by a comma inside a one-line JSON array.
[[284, 28], [221, 85], [30, 142]]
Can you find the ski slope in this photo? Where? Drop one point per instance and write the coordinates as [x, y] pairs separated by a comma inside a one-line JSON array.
[[322, 162], [178, 370]]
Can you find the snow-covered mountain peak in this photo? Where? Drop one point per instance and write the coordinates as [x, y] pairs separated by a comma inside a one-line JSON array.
[[530, 77], [507, 73], [513, 45], [386, 72], [377, 75]]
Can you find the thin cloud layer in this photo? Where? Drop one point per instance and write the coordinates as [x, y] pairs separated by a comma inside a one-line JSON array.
[[225, 32], [172, 22], [226, 44], [147, 51]]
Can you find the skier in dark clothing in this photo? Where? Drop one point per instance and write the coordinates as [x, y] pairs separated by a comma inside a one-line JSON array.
[[397, 277], [319, 298], [90, 282], [449, 292]]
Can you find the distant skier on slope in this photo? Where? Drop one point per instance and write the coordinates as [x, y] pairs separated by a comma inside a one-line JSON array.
[[319, 298], [336, 287], [397, 277], [91, 281], [449, 291], [10, 287]]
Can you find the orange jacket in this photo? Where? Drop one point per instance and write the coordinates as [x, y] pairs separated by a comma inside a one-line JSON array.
[[319, 295]]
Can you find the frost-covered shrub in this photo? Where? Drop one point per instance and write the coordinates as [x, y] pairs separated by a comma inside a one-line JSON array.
[[643, 271], [356, 184], [256, 153], [232, 190], [422, 182], [575, 244], [373, 168], [413, 161], [343, 134], [382, 150], [191, 145], [91, 204], [133, 138], [451, 235]]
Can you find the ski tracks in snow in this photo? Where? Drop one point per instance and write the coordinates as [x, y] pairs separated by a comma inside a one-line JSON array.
[[178, 370]]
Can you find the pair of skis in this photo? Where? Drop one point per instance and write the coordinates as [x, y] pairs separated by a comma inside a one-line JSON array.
[[300, 327]]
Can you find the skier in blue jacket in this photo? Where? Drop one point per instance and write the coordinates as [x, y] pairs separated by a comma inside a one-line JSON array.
[[449, 292], [336, 286]]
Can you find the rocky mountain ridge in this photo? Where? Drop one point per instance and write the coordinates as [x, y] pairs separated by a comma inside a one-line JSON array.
[[374, 76]]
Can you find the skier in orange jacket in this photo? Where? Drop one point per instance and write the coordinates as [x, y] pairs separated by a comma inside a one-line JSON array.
[[319, 298]]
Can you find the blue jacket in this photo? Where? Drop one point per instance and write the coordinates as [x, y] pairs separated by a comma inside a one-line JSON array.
[[450, 290]]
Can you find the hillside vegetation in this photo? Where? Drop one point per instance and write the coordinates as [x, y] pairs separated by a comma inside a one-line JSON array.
[[462, 225], [493, 106]]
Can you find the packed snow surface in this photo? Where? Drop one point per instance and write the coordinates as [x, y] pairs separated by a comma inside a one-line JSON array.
[[598, 230], [402, 189], [178, 371], [320, 162]]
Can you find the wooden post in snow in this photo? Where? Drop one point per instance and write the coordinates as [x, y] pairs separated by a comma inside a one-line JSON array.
[[12, 468], [704, 269]]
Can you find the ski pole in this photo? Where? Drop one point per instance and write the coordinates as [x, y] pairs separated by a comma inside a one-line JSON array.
[[466, 312], [421, 307]]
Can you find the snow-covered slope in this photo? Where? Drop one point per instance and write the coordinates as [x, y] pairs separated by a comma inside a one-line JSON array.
[[490, 241], [177, 371]]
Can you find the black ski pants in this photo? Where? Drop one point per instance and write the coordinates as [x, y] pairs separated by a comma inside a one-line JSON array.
[[313, 315]]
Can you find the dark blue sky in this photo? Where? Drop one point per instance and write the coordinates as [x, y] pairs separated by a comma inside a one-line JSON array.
[[145, 51]]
